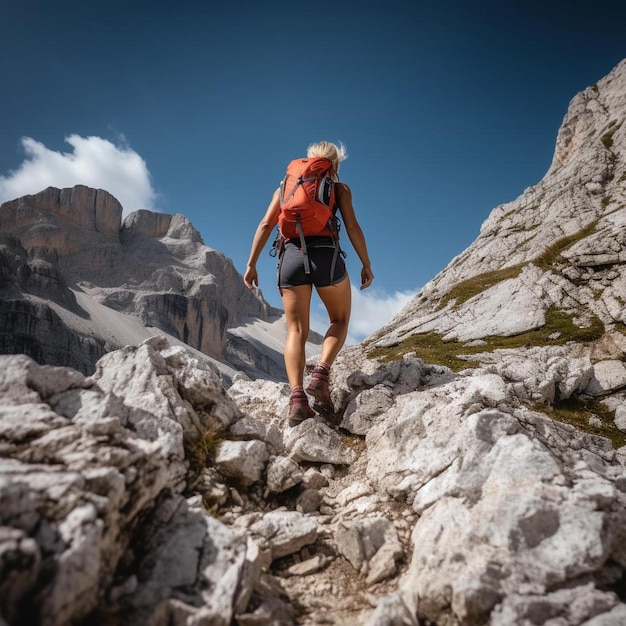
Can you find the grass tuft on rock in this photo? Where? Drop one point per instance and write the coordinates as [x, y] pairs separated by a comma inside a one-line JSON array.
[[577, 411], [203, 449], [432, 348], [552, 254], [607, 139], [467, 289]]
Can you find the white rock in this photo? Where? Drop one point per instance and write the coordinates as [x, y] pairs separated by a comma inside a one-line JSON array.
[[242, 460], [363, 411], [360, 542], [608, 376], [314, 441], [283, 473], [284, 532]]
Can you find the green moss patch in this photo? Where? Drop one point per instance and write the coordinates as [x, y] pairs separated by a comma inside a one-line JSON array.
[[552, 254], [607, 139], [431, 347], [471, 287], [576, 412]]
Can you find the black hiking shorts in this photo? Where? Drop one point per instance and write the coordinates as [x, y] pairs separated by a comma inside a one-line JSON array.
[[321, 250]]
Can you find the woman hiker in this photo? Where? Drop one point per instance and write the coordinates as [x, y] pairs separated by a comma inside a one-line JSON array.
[[298, 271]]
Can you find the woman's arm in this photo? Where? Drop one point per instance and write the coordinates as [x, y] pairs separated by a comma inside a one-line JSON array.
[[263, 231], [355, 234]]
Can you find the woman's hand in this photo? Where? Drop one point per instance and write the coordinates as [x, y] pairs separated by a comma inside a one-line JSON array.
[[251, 278], [367, 276], [263, 231]]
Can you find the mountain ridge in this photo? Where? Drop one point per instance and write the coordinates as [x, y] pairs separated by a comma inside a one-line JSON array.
[[559, 245], [71, 245]]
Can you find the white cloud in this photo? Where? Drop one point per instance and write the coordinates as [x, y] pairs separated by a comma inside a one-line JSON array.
[[94, 162], [371, 310]]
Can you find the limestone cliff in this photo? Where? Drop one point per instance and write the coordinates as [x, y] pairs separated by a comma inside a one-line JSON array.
[[66, 244], [549, 267]]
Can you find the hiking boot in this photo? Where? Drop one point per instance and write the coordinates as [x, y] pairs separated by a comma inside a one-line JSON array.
[[319, 388], [299, 409]]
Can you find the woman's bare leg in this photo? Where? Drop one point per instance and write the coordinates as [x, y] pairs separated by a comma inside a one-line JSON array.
[[297, 303], [338, 302]]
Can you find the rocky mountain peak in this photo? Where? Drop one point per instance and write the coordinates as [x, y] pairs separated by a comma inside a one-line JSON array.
[[70, 264], [50, 218], [558, 248], [592, 114], [145, 223]]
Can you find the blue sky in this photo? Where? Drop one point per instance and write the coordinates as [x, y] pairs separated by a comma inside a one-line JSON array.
[[447, 110]]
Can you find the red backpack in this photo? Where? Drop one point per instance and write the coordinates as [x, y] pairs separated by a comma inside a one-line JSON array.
[[307, 198], [307, 206]]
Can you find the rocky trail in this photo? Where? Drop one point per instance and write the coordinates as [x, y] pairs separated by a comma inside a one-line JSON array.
[[321, 585]]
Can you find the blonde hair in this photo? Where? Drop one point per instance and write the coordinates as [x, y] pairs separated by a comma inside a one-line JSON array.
[[335, 154]]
